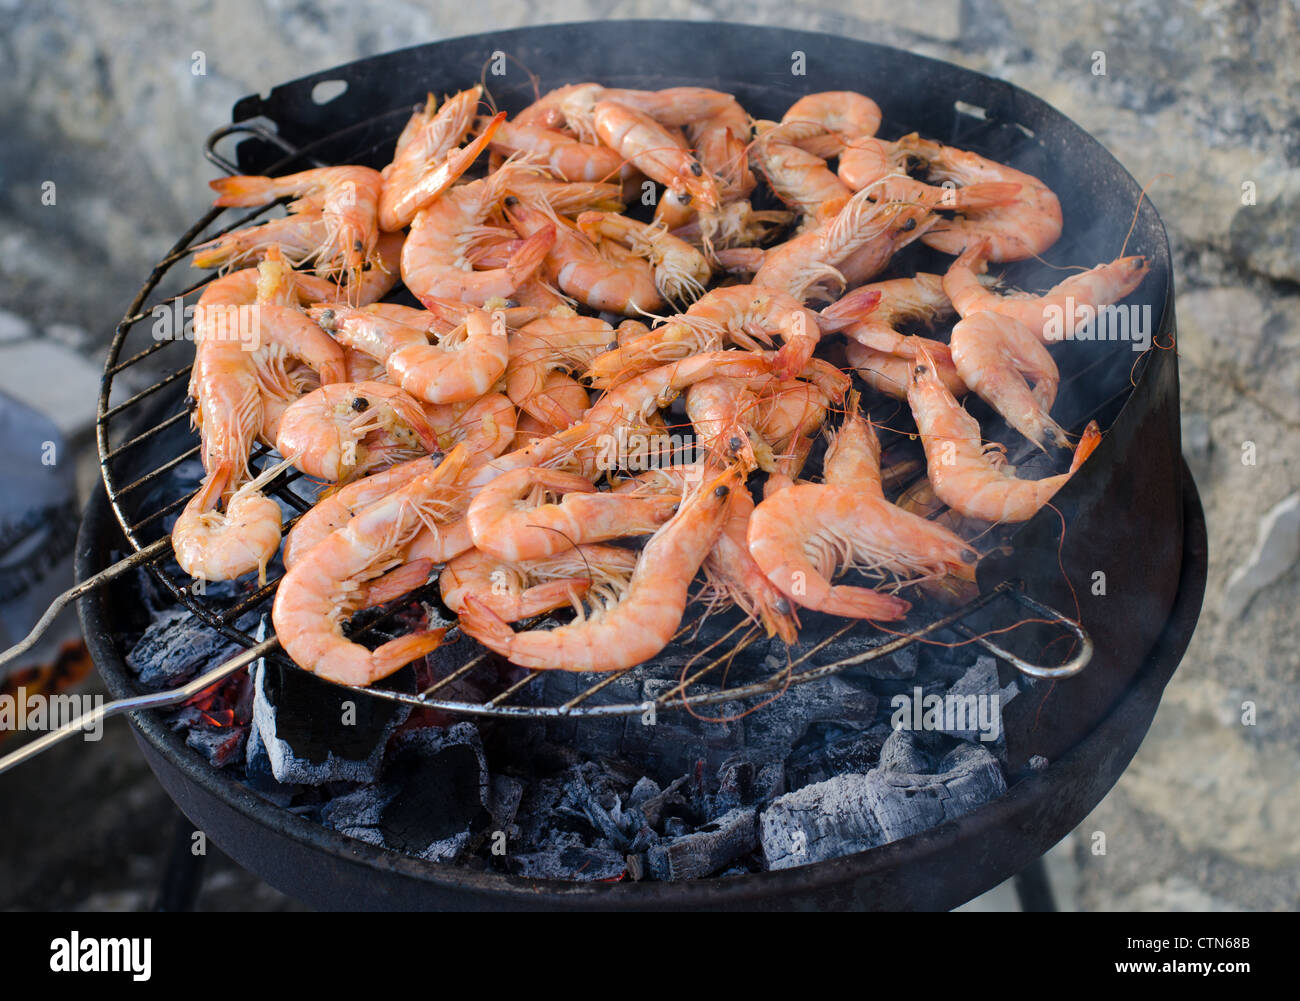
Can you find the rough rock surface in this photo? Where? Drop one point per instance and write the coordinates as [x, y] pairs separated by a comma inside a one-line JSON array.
[[1197, 100]]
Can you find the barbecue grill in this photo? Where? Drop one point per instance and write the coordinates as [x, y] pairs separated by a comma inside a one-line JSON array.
[[1132, 496]]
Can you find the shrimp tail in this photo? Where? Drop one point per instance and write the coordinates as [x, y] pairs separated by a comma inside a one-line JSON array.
[[396, 583], [397, 653], [243, 190], [479, 621], [849, 310], [986, 195], [1087, 445], [530, 255]]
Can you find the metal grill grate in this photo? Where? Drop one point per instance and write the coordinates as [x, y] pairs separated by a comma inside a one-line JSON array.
[[126, 430]]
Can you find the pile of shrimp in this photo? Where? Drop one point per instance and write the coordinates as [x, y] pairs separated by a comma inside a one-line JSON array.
[[510, 436]]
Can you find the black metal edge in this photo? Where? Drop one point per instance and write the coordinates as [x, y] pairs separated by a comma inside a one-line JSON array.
[[1115, 740]]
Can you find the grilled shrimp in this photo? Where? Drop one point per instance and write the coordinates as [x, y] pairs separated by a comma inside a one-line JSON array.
[[338, 575], [595, 276], [720, 142], [521, 589], [654, 151], [509, 517], [347, 197], [881, 353], [763, 422], [642, 621], [801, 533], [560, 343], [301, 238], [1026, 226], [487, 425], [569, 159], [890, 374], [823, 123], [747, 315], [329, 432], [223, 545], [566, 197], [970, 477], [883, 166], [673, 106], [730, 573], [245, 333], [680, 271], [436, 256], [464, 365], [1099, 286], [852, 247], [998, 358], [427, 160], [801, 180], [334, 509]]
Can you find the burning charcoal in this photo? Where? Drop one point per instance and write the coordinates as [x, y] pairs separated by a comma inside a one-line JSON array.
[[432, 801], [645, 837], [906, 802], [573, 863], [219, 744], [821, 760], [676, 740], [899, 665], [769, 782], [645, 789], [654, 807], [735, 781], [175, 647], [503, 803], [257, 771], [775, 730], [325, 733], [597, 735], [707, 849], [819, 822], [976, 704]]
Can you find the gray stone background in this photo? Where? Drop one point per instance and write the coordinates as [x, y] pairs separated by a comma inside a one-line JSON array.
[[1199, 97]]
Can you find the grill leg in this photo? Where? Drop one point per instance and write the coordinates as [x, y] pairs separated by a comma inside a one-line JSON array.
[[1034, 889], [183, 873]]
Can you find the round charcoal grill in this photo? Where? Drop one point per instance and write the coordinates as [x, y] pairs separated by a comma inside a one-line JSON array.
[[1130, 497]]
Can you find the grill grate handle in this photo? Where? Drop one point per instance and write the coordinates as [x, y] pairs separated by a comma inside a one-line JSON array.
[[153, 700]]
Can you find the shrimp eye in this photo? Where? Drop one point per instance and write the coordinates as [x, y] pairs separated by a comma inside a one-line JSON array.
[[909, 225], [720, 491], [970, 556], [511, 200], [612, 346], [327, 318], [360, 403], [696, 169], [781, 606], [512, 304], [921, 370], [191, 403], [735, 444], [684, 198], [358, 246]]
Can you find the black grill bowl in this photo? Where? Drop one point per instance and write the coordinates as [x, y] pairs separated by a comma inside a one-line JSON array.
[[1132, 510]]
